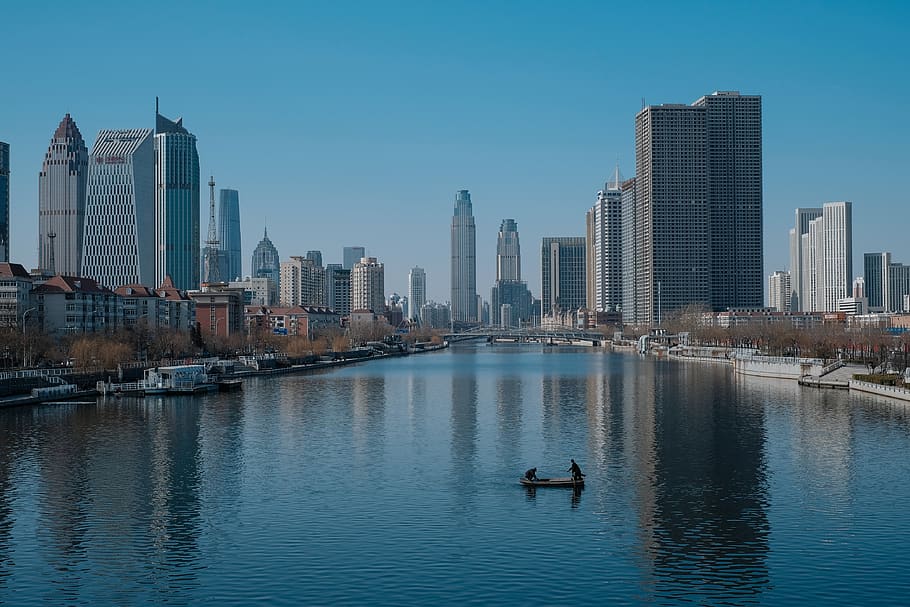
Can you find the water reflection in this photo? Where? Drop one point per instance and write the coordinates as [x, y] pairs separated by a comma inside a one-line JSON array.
[[574, 493]]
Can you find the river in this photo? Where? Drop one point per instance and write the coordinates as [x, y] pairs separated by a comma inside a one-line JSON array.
[[394, 482]]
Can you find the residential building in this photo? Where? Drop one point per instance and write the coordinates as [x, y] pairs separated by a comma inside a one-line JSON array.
[[229, 234], [119, 235], [562, 274], [4, 202], [265, 259], [292, 321], [417, 292], [257, 290], [435, 316], [876, 278], [176, 204], [829, 250], [219, 310], [302, 282], [61, 200], [464, 261], [631, 280], [603, 249], [779, 291], [71, 304], [352, 255], [338, 288], [899, 287], [368, 285], [15, 296], [180, 311], [799, 281]]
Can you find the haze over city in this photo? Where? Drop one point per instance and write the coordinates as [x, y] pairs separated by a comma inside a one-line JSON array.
[[356, 124]]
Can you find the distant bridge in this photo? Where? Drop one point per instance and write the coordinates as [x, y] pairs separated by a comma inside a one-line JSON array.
[[528, 334]]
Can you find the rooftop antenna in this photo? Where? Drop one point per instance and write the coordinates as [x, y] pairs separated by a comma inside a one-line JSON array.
[[156, 105], [50, 252], [642, 103], [212, 270]]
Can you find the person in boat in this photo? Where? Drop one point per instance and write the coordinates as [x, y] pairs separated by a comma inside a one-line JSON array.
[[576, 471], [531, 474]]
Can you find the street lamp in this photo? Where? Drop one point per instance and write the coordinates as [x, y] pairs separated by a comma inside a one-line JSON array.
[[25, 347]]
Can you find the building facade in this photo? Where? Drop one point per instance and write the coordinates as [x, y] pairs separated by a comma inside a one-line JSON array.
[[119, 236], [4, 202], [265, 260], [876, 280], [338, 288], [799, 282], [257, 291], [435, 316], [562, 274], [779, 291], [69, 305], [61, 200], [15, 295], [176, 204], [464, 260], [352, 255], [302, 282], [630, 260], [417, 292], [219, 310], [604, 249], [508, 251], [368, 285], [229, 234]]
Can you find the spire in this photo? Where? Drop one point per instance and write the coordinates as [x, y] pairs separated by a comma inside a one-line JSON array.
[[212, 256], [616, 183]]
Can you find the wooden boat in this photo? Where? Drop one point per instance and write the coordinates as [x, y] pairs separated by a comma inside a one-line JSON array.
[[565, 481]]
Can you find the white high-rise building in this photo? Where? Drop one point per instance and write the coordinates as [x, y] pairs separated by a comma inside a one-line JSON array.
[[61, 200], [417, 292], [119, 237], [302, 282], [798, 283], [368, 285], [779, 291], [604, 248], [464, 261], [827, 251]]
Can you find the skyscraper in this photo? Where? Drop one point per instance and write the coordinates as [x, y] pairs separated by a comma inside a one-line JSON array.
[[265, 260], [876, 278], [798, 282], [338, 288], [61, 200], [4, 202], [464, 261], [417, 292], [229, 234], [630, 261], [827, 255], [779, 291], [562, 274], [118, 239], [508, 251], [699, 205], [176, 204], [604, 248], [368, 285], [302, 282], [351, 256]]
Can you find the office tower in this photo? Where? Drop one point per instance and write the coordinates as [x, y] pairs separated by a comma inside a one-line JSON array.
[[265, 260], [699, 205], [733, 129], [352, 255], [603, 246], [838, 253], [417, 292], [562, 274], [229, 234], [368, 285], [779, 291], [798, 281], [338, 288], [119, 238], [508, 251], [4, 202], [899, 287], [315, 257], [876, 278], [464, 261], [61, 200], [176, 204], [630, 261], [302, 282]]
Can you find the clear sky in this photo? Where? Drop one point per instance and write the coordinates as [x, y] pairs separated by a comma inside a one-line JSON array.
[[349, 123]]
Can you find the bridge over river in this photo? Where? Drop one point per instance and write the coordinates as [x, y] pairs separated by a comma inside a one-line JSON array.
[[529, 335]]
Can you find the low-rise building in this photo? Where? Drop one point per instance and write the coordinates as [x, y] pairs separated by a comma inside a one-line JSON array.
[[219, 310], [15, 295], [69, 304]]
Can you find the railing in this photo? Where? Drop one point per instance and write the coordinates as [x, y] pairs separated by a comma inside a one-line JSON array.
[[837, 364]]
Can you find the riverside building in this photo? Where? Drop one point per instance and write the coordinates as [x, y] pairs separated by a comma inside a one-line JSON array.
[[603, 249], [368, 285], [562, 275], [119, 236], [176, 204], [464, 261], [61, 200]]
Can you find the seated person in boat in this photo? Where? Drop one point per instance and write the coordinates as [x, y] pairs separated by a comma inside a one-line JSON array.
[[531, 474], [576, 471]]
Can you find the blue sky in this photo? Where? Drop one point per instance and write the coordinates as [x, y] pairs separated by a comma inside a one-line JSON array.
[[349, 123]]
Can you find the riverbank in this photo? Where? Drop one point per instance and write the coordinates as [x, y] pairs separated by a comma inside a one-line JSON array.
[[319, 365]]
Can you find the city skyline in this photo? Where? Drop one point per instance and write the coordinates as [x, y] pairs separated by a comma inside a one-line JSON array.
[[842, 148]]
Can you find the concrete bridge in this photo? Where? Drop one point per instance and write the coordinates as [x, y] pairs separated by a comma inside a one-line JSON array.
[[529, 335]]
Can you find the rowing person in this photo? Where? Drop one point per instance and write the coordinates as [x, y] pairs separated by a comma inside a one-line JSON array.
[[576, 471], [531, 474]]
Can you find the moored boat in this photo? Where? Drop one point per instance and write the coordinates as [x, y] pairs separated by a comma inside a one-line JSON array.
[[566, 481]]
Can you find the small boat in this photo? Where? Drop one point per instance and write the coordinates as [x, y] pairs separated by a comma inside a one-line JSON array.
[[229, 384], [565, 481]]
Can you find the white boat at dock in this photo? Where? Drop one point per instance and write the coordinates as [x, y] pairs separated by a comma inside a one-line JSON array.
[[177, 379]]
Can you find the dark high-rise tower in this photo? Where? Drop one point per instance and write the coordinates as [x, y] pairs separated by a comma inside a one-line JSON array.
[[265, 262], [464, 260], [61, 200], [4, 202], [229, 234]]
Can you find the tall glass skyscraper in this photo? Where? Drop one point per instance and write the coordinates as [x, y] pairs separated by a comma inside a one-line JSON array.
[[508, 251], [4, 202], [417, 292], [176, 204], [464, 260], [562, 274], [352, 255], [61, 200], [229, 234], [120, 208], [265, 261]]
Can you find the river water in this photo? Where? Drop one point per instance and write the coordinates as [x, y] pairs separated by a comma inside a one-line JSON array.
[[395, 483]]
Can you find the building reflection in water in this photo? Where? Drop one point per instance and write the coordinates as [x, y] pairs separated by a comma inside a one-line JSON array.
[[368, 395], [464, 437], [508, 417], [708, 525]]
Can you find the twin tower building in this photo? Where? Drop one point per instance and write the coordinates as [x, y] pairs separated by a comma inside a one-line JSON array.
[[128, 212]]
